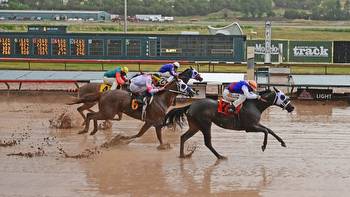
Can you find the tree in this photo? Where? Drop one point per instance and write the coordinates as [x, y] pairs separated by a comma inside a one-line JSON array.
[[347, 9], [256, 8]]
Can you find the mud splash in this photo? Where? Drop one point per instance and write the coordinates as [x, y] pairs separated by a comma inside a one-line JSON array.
[[88, 153], [116, 141], [63, 121], [105, 125], [13, 142], [8, 143], [38, 153]]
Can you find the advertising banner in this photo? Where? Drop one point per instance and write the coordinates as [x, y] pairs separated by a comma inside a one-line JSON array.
[[259, 46], [314, 94], [310, 51]]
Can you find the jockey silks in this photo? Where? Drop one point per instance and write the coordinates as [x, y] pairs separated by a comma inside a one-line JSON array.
[[168, 68]]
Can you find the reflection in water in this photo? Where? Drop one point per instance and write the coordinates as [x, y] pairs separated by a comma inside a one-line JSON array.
[[139, 171], [206, 185]]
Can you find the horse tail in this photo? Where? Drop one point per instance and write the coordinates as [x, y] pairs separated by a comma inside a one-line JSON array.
[[89, 98], [176, 115]]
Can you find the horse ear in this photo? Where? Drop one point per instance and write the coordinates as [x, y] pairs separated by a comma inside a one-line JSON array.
[[276, 90], [191, 67]]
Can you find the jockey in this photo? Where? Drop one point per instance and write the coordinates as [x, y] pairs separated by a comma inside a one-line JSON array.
[[243, 90], [169, 70], [116, 77], [145, 84]]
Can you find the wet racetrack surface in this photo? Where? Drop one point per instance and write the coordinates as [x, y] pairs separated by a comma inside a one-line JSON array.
[[314, 163]]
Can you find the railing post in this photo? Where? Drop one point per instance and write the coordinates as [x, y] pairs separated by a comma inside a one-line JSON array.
[[139, 67], [250, 63], [65, 66], [102, 67], [325, 70]]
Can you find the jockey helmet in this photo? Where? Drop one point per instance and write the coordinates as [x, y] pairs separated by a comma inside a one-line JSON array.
[[253, 84], [156, 77], [177, 64], [125, 69]]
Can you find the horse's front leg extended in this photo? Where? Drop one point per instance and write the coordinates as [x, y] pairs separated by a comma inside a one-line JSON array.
[[259, 128], [143, 129], [274, 135]]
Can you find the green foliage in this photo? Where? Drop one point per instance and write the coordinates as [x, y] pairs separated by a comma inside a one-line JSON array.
[[292, 9]]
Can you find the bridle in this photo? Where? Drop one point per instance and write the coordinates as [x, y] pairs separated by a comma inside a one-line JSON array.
[[181, 88], [284, 104]]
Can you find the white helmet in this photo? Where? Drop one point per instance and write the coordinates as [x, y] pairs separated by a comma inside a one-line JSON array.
[[176, 64]]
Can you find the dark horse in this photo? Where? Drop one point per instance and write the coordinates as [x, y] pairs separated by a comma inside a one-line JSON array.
[[94, 88], [202, 113]]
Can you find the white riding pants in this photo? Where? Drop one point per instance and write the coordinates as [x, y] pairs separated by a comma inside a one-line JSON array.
[[235, 98]]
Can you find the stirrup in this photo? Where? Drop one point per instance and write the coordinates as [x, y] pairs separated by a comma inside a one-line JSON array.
[[143, 112], [232, 108]]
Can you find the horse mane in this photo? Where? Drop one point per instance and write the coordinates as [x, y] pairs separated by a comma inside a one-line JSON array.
[[263, 92], [185, 75]]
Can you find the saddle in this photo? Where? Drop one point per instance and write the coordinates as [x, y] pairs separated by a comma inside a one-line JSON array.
[[224, 106], [140, 102]]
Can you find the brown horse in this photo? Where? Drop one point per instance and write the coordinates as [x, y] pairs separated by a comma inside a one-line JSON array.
[[119, 101], [94, 88]]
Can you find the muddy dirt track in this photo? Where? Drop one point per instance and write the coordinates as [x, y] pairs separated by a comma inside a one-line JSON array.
[[37, 160]]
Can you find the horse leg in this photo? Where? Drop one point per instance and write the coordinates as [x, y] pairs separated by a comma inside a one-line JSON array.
[[87, 123], [278, 138], [120, 115], [96, 116], [159, 136], [258, 128], [143, 129], [85, 106], [207, 140], [193, 129]]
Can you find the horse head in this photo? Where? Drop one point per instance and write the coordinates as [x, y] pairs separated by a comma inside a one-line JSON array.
[[190, 73], [278, 98], [178, 86]]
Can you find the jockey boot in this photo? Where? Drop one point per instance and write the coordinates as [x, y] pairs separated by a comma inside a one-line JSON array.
[[231, 109], [140, 99]]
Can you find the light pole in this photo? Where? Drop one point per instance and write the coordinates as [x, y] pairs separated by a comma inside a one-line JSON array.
[[125, 17]]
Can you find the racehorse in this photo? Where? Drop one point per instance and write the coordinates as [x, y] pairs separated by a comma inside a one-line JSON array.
[[119, 101], [92, 88], [202, 113]]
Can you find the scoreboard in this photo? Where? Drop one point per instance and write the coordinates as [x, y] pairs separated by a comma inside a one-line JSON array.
[[58, 46], [55, 42]]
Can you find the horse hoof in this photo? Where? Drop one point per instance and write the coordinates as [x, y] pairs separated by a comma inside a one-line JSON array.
[[82, 132], [263, 148], [283, 144], [93, 133], [185, 156], [164, 146], [222, 157]]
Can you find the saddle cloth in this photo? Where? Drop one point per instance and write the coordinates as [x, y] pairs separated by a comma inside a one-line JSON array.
[[224, 106], [104, 87]]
